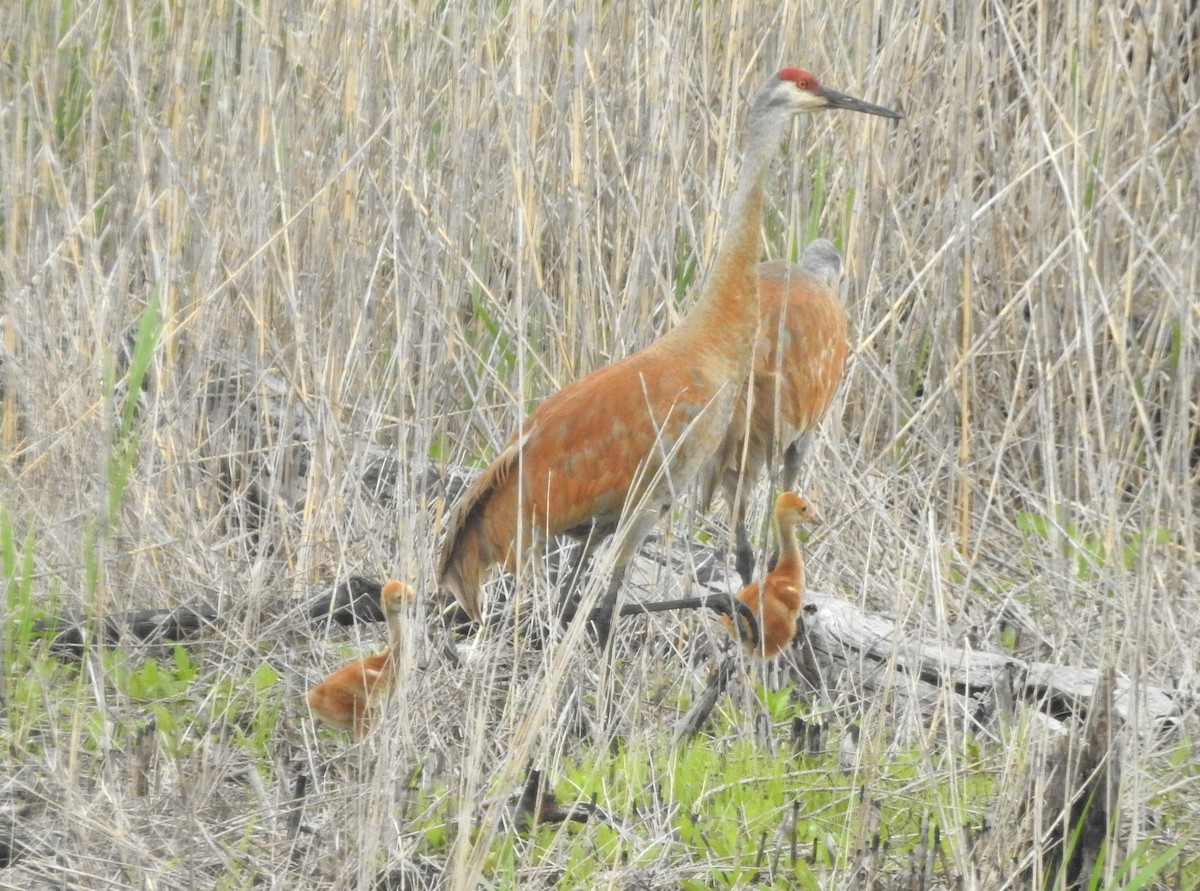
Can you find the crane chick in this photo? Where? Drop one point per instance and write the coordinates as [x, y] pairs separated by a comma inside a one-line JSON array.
[[350, 697], [762, 615], [777, 599]]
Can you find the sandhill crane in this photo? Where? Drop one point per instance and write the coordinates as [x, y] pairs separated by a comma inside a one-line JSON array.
[[799, 361], [350, 697], [607, 453], [774, 602]]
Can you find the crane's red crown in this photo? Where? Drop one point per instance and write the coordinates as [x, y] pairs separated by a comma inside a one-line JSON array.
[[805, 80]]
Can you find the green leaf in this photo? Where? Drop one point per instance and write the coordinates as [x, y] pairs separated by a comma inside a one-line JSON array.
[[1034, 524], [1154, 869], [264, 676]]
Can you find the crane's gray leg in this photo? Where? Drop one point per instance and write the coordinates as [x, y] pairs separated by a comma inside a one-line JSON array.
[[792, 456], [744, 559], [573, 574], [636, 529], [602, 616], [743, 554]]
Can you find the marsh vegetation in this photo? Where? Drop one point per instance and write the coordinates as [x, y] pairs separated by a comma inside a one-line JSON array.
[[265, 269]]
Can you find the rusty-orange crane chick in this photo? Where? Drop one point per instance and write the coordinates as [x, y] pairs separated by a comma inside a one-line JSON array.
[[350, 697], [762, 615], [799, 362], [610, 451], [777, 599]]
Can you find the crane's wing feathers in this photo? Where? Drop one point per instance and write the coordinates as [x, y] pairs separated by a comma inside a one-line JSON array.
[[465, 549]]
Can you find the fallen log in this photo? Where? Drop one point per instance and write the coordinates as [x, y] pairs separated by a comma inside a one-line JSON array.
[[349, 602]]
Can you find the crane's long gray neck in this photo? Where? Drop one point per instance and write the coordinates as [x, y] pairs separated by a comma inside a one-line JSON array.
[[764, 131], [729, 303]]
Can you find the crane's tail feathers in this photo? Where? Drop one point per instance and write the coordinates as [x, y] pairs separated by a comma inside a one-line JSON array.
[[471, 547]]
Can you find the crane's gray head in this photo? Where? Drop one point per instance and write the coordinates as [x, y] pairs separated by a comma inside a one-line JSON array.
[[800, 92], [822, 260]]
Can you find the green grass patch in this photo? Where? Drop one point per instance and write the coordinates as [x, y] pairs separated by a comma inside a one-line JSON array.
[[730, 809], [1090, 552]]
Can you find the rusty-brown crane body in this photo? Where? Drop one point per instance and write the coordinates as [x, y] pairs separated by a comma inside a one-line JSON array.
[[799, 362], [609, 451]]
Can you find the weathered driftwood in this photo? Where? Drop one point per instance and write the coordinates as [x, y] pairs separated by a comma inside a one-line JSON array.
[[837, 647], [354, 600], [851, 648], [842, 630]]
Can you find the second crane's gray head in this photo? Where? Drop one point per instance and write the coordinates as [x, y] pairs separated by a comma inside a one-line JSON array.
[[798, 91], [822, 260]]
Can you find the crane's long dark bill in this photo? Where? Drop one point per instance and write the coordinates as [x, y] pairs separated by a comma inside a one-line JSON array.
[[842, 100], [719, 603]]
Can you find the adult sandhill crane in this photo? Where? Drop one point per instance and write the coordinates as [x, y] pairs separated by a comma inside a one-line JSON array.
[[607, 453], [774, 602], [799, 361], [350, 697]]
